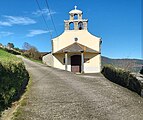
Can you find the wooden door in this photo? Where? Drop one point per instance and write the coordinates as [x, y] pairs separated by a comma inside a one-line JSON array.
[[76, 63]]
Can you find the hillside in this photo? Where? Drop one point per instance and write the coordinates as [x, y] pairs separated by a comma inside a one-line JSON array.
[[6, 58], [134, 65]]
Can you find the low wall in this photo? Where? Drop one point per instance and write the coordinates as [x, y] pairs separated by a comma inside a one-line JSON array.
[[48, 59], [132, 81]]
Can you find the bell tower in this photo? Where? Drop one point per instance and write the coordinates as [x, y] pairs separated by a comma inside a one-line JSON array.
[[75, 21]]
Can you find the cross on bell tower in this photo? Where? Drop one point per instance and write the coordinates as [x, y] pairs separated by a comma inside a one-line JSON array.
[[75, 21]]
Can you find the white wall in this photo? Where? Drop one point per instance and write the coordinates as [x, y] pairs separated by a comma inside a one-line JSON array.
[[48, 59]]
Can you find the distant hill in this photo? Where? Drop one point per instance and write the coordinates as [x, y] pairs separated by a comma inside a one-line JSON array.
[[133, 65]]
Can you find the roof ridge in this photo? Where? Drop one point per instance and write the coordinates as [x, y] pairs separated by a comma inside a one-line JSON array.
[[80, 45], [76, 46]]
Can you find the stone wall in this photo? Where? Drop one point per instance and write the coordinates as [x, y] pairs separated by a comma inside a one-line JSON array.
[[139, 77], [132, 81]]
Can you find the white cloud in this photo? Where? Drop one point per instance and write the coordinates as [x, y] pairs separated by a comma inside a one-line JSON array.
[[44, 11], [2, 23], [36, 32], [4, 34], [16, 20]]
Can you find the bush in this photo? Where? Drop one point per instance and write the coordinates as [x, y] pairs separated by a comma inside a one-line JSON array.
[[33, 55], [11, 51], [122, 77], [13, 79], [141, 72], [134, 84]]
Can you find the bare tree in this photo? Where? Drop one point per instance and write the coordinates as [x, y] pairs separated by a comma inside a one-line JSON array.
[[126, 64], [27, 46], [31, 51]]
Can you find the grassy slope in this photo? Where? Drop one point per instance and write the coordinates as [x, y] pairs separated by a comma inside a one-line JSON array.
[[13, 78], [6, 58]]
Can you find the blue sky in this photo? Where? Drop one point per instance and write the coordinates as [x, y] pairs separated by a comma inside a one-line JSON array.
[[117, 22]]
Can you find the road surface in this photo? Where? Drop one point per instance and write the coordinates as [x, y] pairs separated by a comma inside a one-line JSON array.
[[59, 95]]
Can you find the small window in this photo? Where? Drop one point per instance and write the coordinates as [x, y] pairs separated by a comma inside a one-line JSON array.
[[76, 39]]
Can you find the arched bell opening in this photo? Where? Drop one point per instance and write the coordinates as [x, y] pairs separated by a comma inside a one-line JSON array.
[[71, 26], [80, 25], [75, 16]]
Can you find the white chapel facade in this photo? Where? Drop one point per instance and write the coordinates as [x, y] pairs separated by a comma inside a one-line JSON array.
[[75, 50]]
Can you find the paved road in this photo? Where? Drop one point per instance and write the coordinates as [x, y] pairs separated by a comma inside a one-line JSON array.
[[61, 95]]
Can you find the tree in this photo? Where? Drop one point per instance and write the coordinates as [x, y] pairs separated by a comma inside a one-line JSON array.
[[27, 46], [31, 51], [10, 45], [1, 45]]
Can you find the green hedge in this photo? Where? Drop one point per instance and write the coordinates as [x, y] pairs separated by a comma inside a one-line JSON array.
[[141, 72], [13, 79], [122, 77], [11, 51]]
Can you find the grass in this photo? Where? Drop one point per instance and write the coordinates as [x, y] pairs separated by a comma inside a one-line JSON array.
[[38, 61], [6, 58]]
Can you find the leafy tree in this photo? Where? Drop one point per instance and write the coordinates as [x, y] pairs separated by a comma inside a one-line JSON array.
[[1, 45], [10, 45], [17, 49]]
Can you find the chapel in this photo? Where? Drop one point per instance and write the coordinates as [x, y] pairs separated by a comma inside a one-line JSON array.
[[76, 49]]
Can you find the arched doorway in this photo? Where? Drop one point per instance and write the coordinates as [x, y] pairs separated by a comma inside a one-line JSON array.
[[76, 63]]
